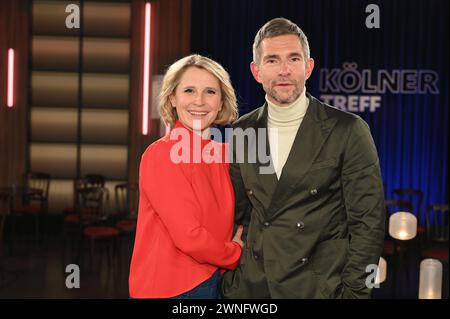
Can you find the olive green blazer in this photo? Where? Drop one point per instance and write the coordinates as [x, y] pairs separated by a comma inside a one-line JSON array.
[[313, 232]]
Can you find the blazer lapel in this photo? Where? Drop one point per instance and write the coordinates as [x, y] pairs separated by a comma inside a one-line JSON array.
[[263, 173], [314, 130]]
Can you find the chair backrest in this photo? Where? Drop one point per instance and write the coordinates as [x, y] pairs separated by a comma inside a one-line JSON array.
[[395, 205], [126, 199], [38, 181], [415, 196], [121, 195], [437, 223], [94, 180], [90, 206]]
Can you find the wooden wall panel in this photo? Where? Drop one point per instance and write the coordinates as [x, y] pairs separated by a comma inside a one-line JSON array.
[[14, 32], [59, 125], [170, 41]]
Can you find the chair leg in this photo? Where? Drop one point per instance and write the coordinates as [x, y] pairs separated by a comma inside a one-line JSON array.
[[117, 248], [64, 244], [37, 226], [68, 244], [13, 234], [394, 276], [81, 244], [92, 249], [108, 247]]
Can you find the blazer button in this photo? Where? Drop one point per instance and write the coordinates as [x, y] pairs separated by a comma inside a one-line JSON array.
[[266, 224], [249, 192], [255, 256], [313, 191], [300, 224], [304, 260]]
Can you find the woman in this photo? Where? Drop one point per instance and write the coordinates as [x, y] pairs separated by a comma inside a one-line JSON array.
[[186, 208]]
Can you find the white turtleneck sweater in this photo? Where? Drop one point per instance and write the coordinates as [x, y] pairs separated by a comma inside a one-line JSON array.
[[283, 123]]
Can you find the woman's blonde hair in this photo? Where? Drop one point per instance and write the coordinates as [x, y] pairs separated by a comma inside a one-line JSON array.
[[172, 79]]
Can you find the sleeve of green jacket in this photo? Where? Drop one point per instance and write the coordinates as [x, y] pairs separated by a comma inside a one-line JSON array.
[[364, 203]]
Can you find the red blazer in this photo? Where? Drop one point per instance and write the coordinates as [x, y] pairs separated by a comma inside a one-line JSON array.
[[185, 221]]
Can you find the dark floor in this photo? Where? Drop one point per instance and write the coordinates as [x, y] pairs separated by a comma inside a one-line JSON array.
[[30, 270]]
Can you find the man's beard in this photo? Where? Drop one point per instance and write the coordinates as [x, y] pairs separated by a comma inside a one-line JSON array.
[[284, 100]]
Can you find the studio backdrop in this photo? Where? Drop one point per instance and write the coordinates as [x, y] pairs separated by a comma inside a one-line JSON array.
[[386, 61]]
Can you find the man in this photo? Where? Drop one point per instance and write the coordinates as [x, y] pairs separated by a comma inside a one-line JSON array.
[[314, 225]]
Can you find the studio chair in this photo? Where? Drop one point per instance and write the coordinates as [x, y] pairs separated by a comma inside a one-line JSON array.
[[393, 250], [415, 196], [72, 222], [125, 218], [403, 229], [5, 210], [436, 239], [392, 206], [95, 229], [71, 215], [94, 180], [436, 236], [34, 203]]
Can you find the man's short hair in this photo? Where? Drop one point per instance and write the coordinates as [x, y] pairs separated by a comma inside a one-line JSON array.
[[277, 27]]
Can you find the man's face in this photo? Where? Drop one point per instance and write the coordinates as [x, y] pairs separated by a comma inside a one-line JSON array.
[[282, 69]]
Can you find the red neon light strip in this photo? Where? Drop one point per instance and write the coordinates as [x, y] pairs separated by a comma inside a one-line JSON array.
[[10, 94], [146, 80]]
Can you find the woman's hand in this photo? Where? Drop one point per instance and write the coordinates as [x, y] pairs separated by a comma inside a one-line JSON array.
[[238, 235]]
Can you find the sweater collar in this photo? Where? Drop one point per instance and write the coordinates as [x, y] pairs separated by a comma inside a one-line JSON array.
[[289, 114]]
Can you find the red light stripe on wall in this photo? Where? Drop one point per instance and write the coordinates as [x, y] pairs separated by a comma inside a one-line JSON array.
[[10, 92], [146, 79]]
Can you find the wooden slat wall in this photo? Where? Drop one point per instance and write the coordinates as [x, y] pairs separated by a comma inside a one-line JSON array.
[[54, 143], [171, 40]]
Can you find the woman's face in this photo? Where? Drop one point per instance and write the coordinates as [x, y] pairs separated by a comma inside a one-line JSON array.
[[197, 98]]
